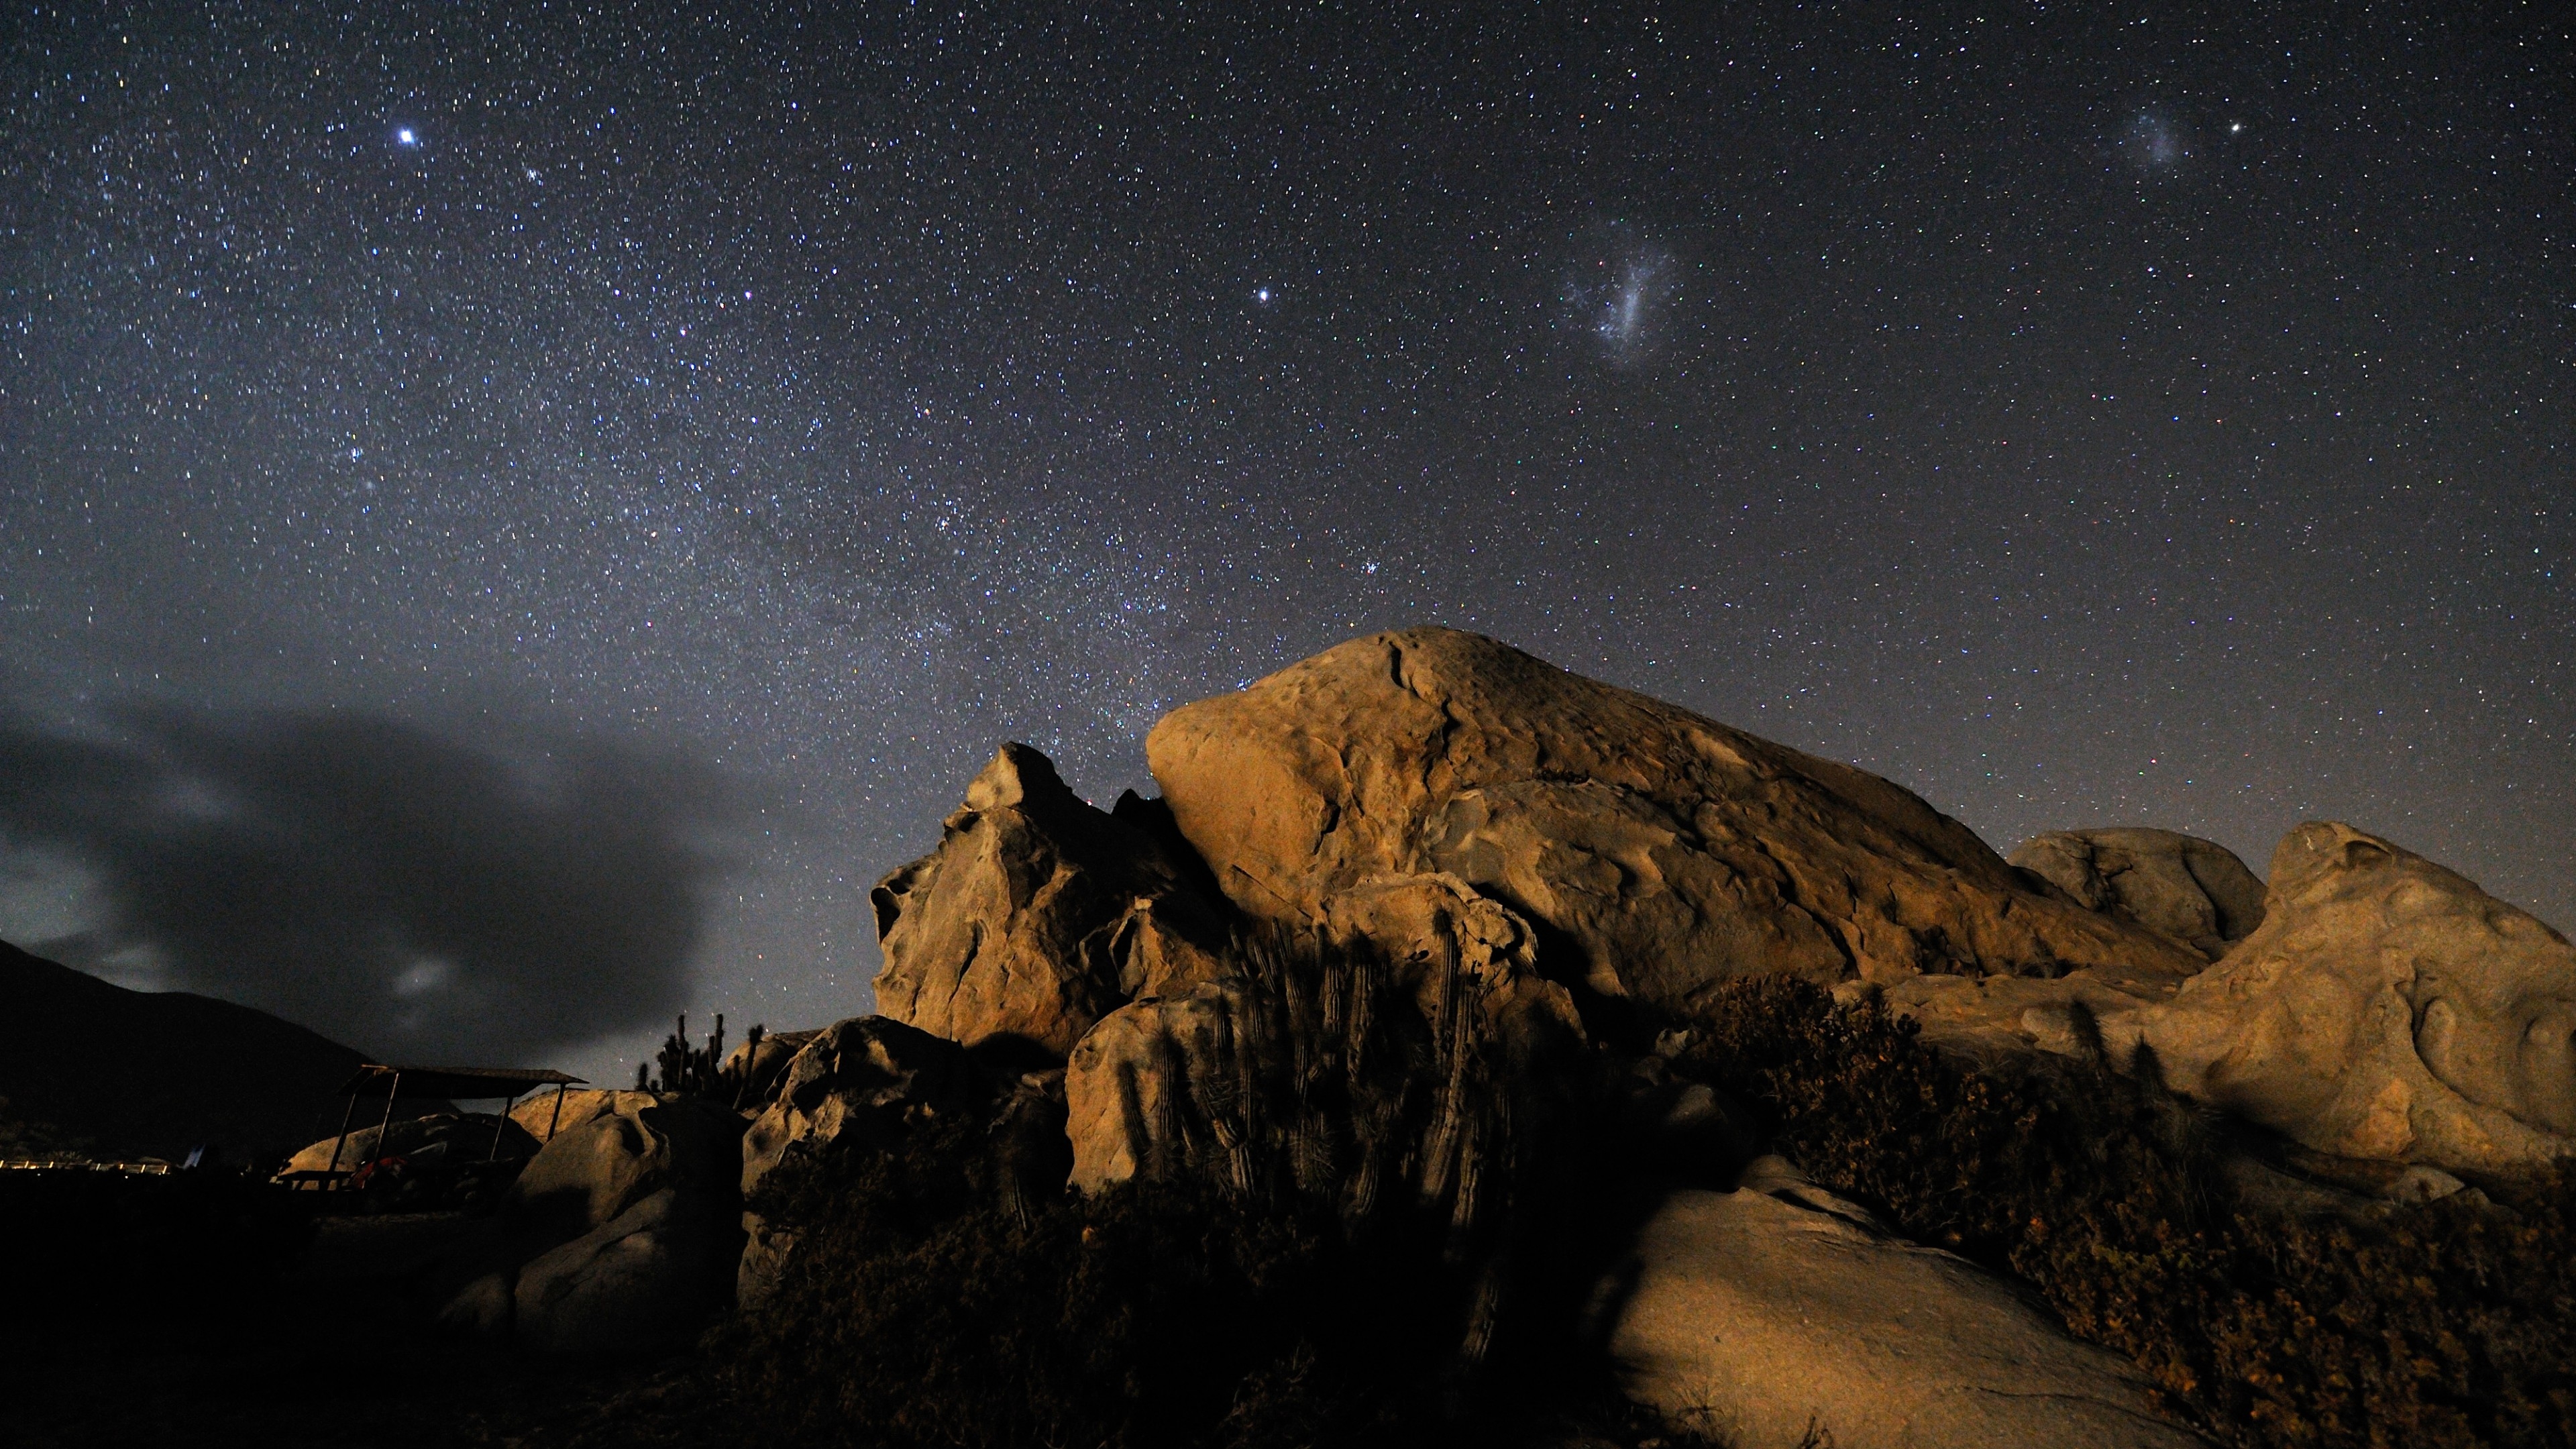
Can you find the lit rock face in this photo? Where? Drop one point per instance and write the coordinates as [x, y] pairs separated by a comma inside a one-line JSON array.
[[761, 1066], [1024, 923], [2193, 890], [2386, 1008], [1156, 1083], [1655, 854], [868, 1077], [1780, 1315], [865, 1079]]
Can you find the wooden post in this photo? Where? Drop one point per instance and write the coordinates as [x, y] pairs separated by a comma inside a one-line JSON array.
[[343, 1140], [495, 1154], [558, 1116], [386, 1125]]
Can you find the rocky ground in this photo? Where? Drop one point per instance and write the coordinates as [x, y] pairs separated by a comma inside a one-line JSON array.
[[1459, 1048]]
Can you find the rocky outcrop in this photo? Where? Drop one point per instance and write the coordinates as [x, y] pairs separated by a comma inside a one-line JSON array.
[[1036, 916], [2195, 891], [1654, 853], [1335, 1070], [2386, 1008], [758, 1066], [1780, 1315], [864, 1081], [545, 1115], [867, 1078]]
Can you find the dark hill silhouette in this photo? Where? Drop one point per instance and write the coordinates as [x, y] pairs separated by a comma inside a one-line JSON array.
[[159, 1072]]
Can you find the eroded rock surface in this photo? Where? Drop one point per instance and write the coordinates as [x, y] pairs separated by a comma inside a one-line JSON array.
[[1778, 1315], [1655, 853], [2195, 891], [2386, 1008], [1019, 925], [867, 1077]]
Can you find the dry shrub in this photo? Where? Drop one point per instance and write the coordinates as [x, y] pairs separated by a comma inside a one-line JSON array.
[[2445, 1324], [922, 1306]]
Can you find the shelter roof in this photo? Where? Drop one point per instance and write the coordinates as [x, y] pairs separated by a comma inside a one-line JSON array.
[[378, 1080]]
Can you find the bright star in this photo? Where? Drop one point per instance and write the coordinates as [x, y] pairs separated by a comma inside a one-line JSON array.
[[2234, 127], [1261, 295], [407, 137]]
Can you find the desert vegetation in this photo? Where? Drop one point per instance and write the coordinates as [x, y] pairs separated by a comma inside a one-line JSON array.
[[2447, 1323]]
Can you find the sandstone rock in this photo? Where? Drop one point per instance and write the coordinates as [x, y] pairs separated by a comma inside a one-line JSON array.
[[2386, 1008], [863, 1077], [762, 1065], [1323, 1063], [2193, 890], [1011, 928], [616, 1229], [637, 1145], [1763, 1314], [1655, 853], [1127, 1083], [643, 1280], [543, 1117]]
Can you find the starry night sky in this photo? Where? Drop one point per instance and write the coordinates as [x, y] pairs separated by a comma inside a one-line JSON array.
[[513, 516]]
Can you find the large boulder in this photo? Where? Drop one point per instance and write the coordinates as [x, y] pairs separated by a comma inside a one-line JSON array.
[[644, 1280], [1780, 1315], [1655, 853], [623, 1230], [548, 1113], [2386, 1008], [2192, 890], [1020, 926]]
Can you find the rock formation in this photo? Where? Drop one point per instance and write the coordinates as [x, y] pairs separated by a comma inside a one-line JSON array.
[[1654, 852], [867, 1076], [1036, 916], [2194, 891], [1778, 1315], [2386, 1008]]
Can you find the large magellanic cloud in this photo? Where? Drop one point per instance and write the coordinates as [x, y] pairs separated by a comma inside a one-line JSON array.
[[413, 893]]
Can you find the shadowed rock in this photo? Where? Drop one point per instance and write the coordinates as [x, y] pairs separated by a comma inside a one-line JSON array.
[[2193, 890]]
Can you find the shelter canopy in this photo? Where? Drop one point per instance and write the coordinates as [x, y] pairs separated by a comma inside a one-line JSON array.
[[376, 1080]]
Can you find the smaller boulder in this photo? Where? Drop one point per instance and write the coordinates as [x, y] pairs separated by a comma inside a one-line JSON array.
[[547, 1113], [644, 1280], [626, 1216], [1778, 1315], [759, 1066], [2184, 888]]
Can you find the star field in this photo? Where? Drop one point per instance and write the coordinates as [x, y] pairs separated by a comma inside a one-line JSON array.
[[2080, 417]]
